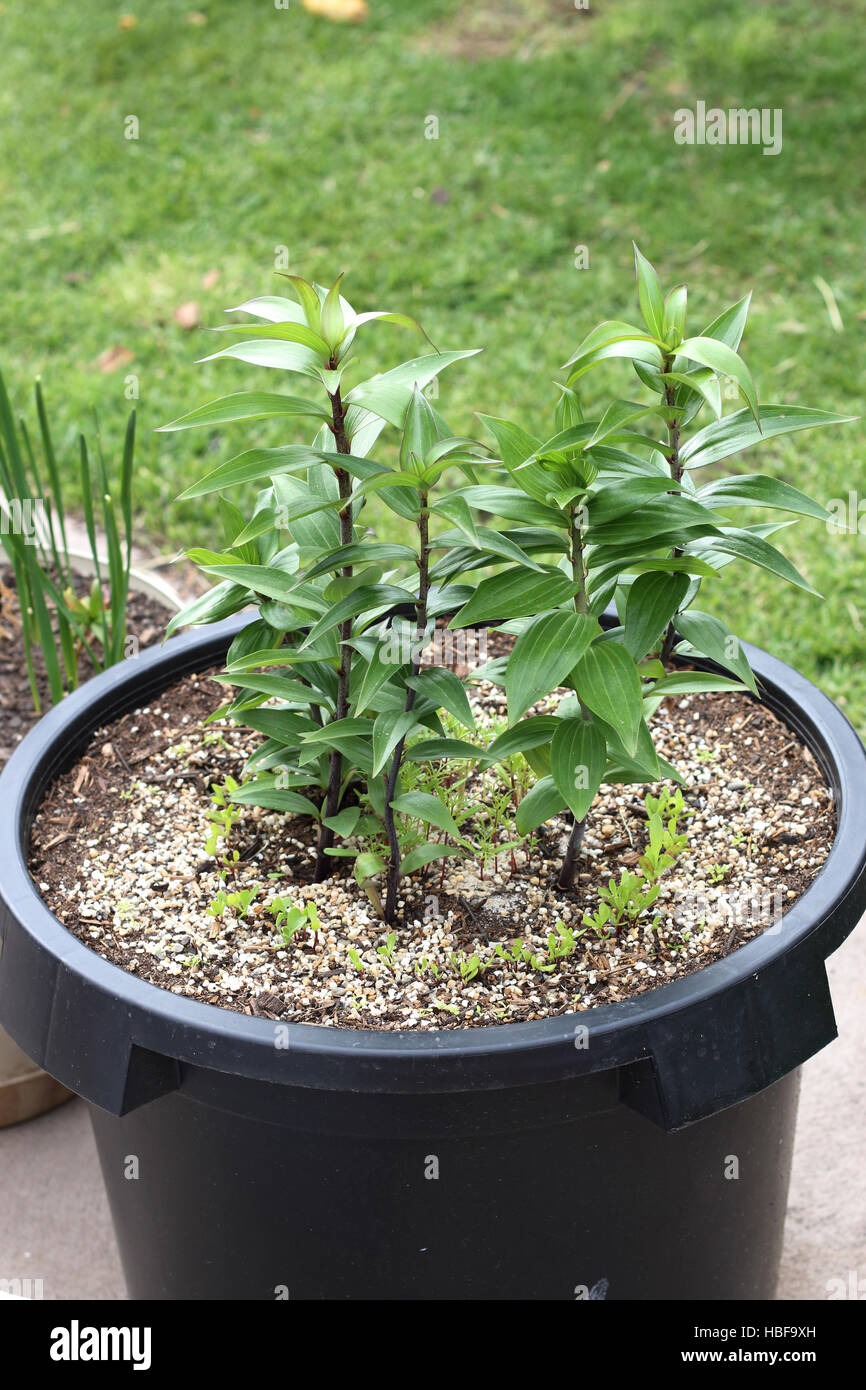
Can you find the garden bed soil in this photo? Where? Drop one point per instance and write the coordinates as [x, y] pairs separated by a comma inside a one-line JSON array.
[[133, 810], [146, 619]]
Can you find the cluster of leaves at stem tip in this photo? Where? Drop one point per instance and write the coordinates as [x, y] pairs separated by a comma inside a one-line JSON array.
[[54, 616], [535, 534]]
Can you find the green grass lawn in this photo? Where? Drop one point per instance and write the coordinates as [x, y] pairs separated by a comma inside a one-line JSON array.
[[263, 127]]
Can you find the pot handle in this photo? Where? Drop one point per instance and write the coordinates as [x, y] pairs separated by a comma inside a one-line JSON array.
[[739, 1042]]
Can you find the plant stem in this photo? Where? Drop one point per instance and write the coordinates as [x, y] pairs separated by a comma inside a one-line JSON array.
[[676, 469], [420, 634], [581, 605], [335, 765], [578, 568], [569, 863]]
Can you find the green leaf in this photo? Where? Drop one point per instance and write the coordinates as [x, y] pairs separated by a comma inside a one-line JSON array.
[[278, 687], [515, 444], [437, 749], [386, 478], [427, 808], [729, 325], [709, 636], [423, 854], [541, 803], [362, 552], [637, 349], [245, 405], [275, 799], [626, 495], [515, 593], [610, 331], [275, 308], [388, 394], [656, 517], [644, 762], [446, 690], [280, 333], [402, 320], [218, 603], [757, 490], [616, 417], [286, 726], [352, 727], [250, 466], [367, 599], [676, 303], [526, 734], [456, 509], [733, 433], [389, 728], [747, 546], [333, 323], [366, 866], [702, 380], [264, 579], [709, 352], [280, 656], [369, 679], [653, 599], [691, 682], [578, 757], [517, 450], [543, 655], [284, 357], [512, 504], [309, 512], [649, 294], [420, 433], [344, 822], [607, 682], [568, 411], [310, 302]]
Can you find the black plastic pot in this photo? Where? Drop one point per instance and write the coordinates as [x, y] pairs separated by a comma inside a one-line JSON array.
[[590, 1154]]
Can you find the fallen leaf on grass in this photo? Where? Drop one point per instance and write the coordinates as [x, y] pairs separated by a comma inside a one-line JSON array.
[[340, 11], [114, 357], [188, 315]]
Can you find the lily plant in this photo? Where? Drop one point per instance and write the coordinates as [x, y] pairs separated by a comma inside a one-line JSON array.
[[332, 671]]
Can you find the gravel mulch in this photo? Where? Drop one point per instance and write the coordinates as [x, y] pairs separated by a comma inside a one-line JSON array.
[[118, 854]]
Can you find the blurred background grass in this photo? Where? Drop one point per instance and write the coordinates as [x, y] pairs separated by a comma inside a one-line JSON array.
[[261, 127]]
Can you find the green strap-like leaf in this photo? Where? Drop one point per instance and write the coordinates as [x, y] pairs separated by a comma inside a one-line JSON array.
[[541, 803], [388, 395], [245, 405], [544, 654], [747, 546], [733, 433], [429, 809], [649, 294], [578, 756], [653, 599], [709, 352], [709, 636], [446, 690], [516, 592], [388, 729], [607, 682]]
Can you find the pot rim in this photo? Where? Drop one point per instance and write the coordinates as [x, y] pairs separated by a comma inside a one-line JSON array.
[[53, 986]]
